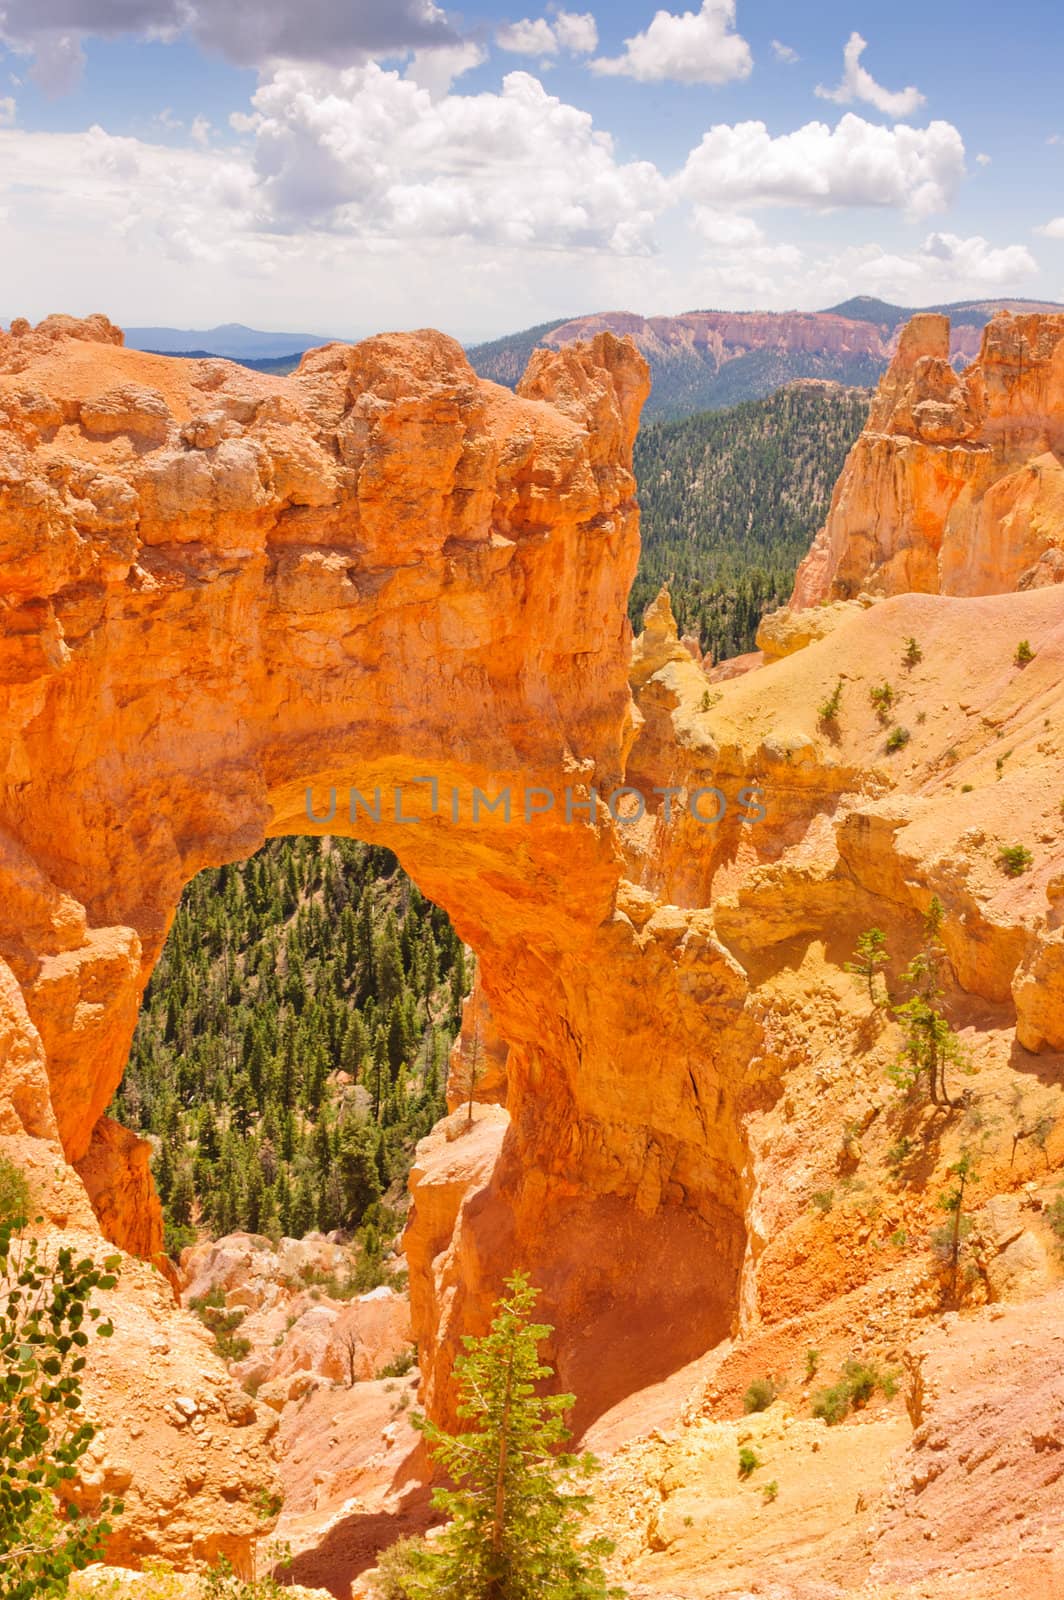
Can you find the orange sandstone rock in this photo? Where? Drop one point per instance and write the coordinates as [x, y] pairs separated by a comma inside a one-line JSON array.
[[381, 569], [956, 484]]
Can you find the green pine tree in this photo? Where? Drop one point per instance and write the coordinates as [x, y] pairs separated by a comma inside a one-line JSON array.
[[515, 1525], [869, 956]]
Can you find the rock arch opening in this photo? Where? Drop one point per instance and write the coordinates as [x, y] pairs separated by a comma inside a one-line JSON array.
[[293, 1043], [376, 572]]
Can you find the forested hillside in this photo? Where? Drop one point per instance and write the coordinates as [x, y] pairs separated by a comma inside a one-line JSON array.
[[293, 1041], [731, 501]]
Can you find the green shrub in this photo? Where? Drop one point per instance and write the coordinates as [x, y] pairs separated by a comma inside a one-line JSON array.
[[749, 1461], [1024, 653], [897, 739], [405, 1362], [46, 1327], [882, 699], [176, 1236], [1055, 1218], [1014, 859], [899, 1153], [828, 710], [759, 1396], [854, 1389], [824, 1199], [812, 1362], [833, 1404], [211, 1310], [863, 1379], [913, 654], [770, 1490], [14, 1194], [222, 1583], [397, 1569]]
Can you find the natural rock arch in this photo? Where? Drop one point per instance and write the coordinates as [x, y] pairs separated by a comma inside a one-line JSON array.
[[222, 590]]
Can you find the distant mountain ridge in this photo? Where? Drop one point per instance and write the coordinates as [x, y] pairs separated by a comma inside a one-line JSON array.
[[702, 360], [230, 339], [706, 360]]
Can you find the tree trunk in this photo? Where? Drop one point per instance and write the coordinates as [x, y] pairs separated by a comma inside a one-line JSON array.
[[498, 1519]]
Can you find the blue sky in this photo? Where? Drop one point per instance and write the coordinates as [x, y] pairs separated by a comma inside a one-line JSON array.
[[343, 167]]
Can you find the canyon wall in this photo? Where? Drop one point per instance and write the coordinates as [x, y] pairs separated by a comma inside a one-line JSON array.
[[223, 590], [220, 590], [956, 485]]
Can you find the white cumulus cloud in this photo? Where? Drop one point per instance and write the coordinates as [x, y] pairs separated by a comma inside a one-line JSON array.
[[728, 229], [7, 112], [369, 152], [784, 52], [436, 70], [527, 38], [944, 266], [1053, 229], [857, 163], [694, 47], [859, 84], [574, 31]]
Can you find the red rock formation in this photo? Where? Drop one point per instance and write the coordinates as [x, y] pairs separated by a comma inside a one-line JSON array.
[[380, 570], [723, 336], [376, 570], [956, 485]]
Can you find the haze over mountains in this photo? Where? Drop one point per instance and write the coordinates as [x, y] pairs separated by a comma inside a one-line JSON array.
[[230, 339], [699, 360]]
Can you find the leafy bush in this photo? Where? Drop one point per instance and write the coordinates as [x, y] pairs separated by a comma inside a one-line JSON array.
[[405, 1362], [1024, 653], [211, 1310], [833, 1404], [897, 738], [749, 1461], [770, 1491], [882, 698], [14, 1194], [220, 1582], [812, 1362], [396, 1568], [824, 1199], [1014, 859], [759, 1396], [913, 654], [828, 710], [46, 1320], [899, 1154], [854, 1389], [1055, 1217]]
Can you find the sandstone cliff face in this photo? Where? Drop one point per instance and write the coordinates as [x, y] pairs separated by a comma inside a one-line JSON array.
[[219, 590], [956, 485], [724, 336], [222, 590]]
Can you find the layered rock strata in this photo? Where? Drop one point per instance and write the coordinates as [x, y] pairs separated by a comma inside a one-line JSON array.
[[956, 485]]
